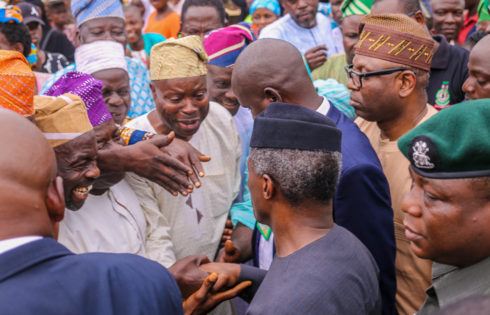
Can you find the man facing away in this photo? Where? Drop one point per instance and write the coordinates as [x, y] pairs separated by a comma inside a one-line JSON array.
[[37, 274], [388, 93], [447, 211], [361, 202], [319, 267]]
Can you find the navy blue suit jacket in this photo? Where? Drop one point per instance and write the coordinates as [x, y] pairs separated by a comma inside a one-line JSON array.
[[43, 277], [362, 203]]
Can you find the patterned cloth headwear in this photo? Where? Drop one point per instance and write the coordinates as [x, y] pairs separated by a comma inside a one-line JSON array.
[[100, 55], [396, 38], [89, 89], [84, 10], [224, 45], [483, 11], [61, 118], [435, 150], [178, 58], [271, 5], [11, 15], [17, 83], [356, 7]]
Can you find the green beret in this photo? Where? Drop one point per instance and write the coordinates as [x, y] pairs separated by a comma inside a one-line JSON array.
[[454, 143]]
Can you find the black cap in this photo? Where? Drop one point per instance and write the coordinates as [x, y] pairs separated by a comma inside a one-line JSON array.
[[30, 13], [287, 126]]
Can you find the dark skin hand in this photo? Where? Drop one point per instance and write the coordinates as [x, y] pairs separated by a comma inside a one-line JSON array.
[[147, 159], [228, 230], [188, 274], [187, 154], [316, 56], [239, 248], [208, 296]]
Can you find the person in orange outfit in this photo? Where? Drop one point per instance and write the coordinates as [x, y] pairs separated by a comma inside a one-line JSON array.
[[163, 20]]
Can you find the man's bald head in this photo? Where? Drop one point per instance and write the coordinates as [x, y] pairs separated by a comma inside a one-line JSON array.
[[28, 168], [270, 70]]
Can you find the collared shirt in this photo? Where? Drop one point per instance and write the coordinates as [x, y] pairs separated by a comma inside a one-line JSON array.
[[302, 38], [11, 243], [139, 79], [448, 72], [451, 284]]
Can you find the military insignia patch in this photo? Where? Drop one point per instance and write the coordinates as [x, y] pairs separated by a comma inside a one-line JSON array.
[[443, 97], [423, 153]]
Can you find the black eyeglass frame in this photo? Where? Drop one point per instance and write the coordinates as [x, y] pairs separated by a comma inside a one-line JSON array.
[[349, 70]]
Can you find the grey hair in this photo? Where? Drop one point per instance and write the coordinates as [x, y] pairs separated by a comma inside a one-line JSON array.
[[300, 175]]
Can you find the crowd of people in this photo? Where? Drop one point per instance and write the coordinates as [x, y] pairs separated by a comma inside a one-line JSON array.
[[245, 157]]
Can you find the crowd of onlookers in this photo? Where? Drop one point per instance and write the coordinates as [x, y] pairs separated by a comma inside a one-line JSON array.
[[234, 156]]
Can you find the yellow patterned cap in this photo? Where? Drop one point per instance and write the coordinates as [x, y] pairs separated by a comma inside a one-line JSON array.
[[178, 58], [396, 38], [61, 118]]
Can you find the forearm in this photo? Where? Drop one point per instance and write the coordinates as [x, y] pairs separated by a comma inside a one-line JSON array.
[[256, 275]]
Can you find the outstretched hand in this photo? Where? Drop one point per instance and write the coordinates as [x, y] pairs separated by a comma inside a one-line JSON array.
[[208, 297], [149, 161], [189, 156]]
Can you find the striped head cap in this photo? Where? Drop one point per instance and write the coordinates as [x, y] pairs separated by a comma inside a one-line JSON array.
[[84, 10], [396, 38]]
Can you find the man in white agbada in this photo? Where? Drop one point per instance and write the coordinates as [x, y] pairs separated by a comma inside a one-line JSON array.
[[111, 219], [186, 225]]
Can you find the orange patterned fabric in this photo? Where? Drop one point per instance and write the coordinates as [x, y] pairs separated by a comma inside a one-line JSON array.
[[17, 83], [396, 38]]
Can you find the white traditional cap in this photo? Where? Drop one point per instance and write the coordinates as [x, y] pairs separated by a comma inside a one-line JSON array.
[[100, 55]]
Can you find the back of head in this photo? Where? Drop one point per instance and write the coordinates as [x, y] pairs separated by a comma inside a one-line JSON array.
[[404, 6], [270, 63], [15, 32], [27, 165], [299, 149]]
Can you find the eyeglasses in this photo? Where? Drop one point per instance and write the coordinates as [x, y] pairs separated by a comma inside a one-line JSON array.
[[356, 77]]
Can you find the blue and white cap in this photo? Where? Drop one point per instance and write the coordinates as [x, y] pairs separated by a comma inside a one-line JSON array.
[[84, 10]]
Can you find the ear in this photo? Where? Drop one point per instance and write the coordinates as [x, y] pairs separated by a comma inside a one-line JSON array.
[[55, 200], [419, 17], [78, 35], [268, 187], [272, 95], [153, 91], [407, 84], [18, 47]]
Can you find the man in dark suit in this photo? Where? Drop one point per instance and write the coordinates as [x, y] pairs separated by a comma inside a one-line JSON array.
[[40, 276], [271, 70]]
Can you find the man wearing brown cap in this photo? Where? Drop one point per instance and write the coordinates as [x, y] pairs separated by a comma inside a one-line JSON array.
[[388, 79], [65, 123]]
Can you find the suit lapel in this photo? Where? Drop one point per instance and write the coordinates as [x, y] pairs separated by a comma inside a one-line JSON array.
[[28, 255]]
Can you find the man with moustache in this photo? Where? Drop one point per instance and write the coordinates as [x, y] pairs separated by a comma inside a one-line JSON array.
[[389, 96], [447, 210]]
